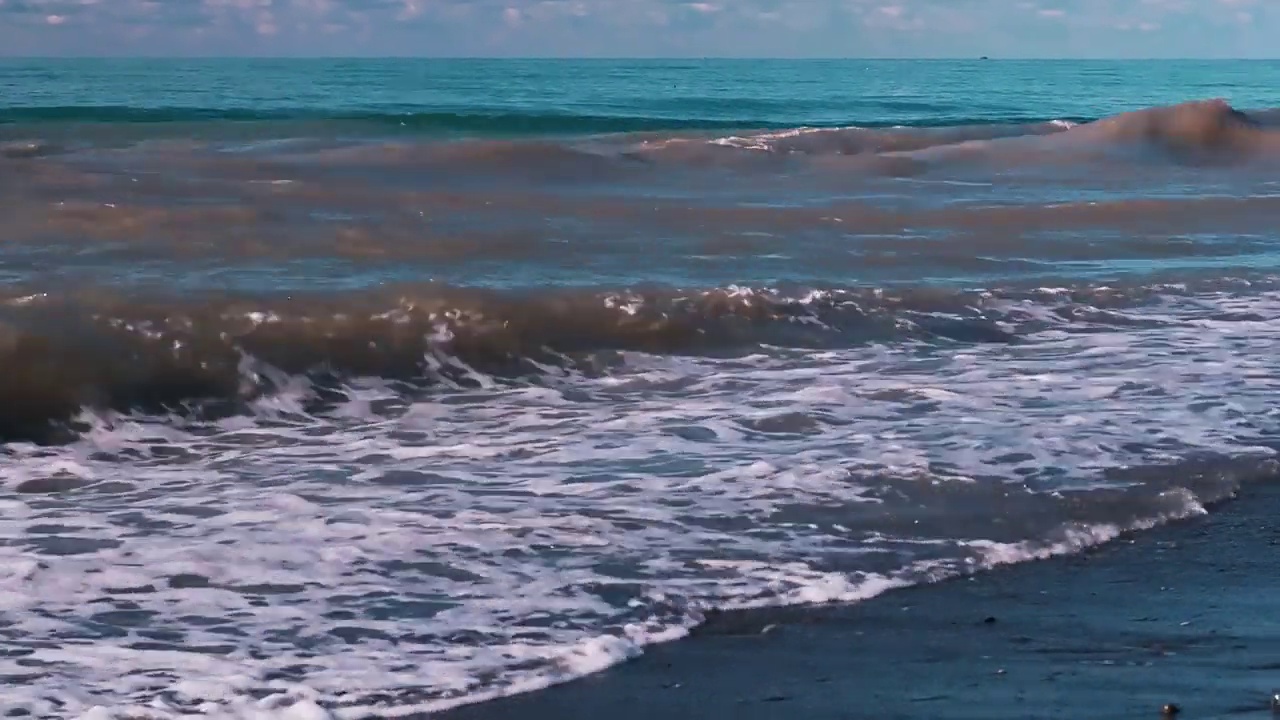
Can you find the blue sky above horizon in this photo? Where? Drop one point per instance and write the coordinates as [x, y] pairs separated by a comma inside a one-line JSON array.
[[643, 28]]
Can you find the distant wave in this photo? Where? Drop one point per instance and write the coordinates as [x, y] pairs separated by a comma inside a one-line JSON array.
[[1188, 131], [478, 122], [1197, 129], [63, 354]]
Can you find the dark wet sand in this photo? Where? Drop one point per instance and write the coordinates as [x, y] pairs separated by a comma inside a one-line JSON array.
[[1186, 614]]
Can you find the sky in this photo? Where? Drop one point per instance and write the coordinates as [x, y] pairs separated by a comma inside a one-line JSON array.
[[643, 28]]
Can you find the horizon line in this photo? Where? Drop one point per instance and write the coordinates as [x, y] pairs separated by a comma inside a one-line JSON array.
[[653, 58]]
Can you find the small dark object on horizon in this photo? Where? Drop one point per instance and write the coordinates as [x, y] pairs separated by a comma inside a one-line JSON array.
[[1170, 710]]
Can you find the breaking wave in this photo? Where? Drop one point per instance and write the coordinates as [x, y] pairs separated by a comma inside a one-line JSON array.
[[1192, 129], [214, 354]]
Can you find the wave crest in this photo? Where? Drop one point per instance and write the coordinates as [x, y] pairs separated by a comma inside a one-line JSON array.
[[214, 355]]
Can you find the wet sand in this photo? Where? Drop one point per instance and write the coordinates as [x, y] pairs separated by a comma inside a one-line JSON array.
[[1184, 614]]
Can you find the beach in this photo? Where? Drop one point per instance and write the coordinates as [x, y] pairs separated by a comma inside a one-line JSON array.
[[1184, 615]]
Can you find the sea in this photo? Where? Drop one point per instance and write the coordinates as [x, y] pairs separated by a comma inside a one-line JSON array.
[[369, 388]]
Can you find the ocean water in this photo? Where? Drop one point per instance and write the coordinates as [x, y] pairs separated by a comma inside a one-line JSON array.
[[353, 389]]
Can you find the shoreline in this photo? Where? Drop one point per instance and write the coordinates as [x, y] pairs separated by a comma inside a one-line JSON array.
[[1180, 614]]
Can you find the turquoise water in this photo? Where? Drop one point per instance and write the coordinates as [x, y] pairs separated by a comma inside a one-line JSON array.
[[608, 121], [505, 97]]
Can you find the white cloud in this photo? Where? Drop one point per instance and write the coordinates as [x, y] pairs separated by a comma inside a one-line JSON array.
[[688, 27]]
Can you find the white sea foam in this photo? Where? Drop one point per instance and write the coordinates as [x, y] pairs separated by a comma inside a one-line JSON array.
[[820, 140], [410, 554], [769, 140]]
